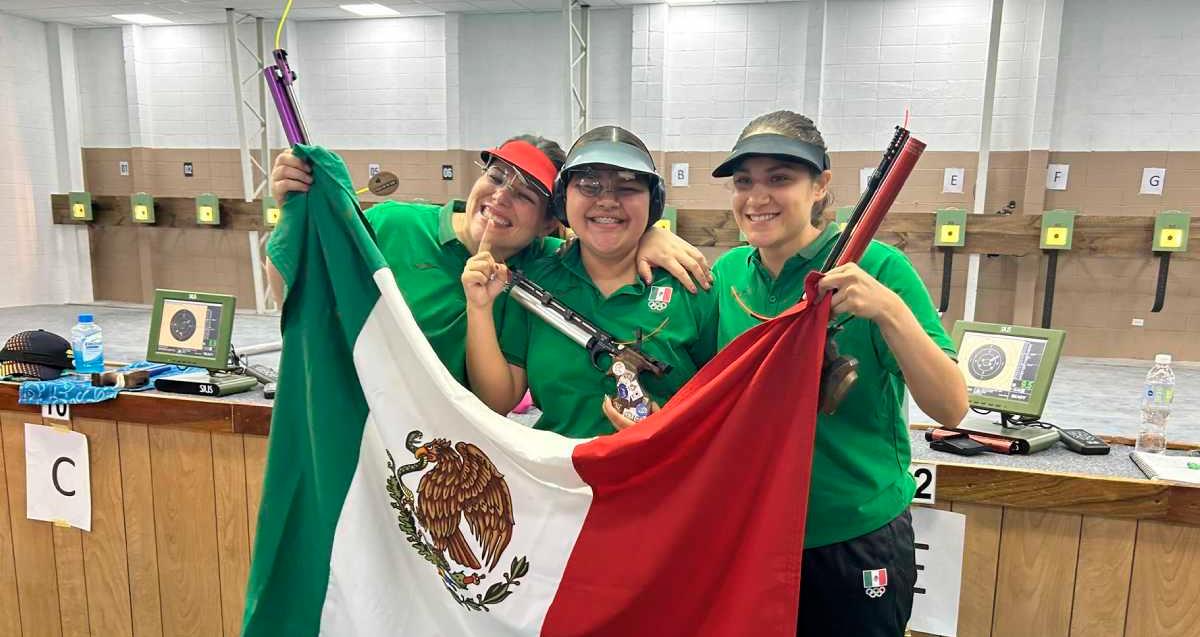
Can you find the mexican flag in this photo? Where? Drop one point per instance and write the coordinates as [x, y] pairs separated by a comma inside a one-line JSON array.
[[875, 579], [396, 503]]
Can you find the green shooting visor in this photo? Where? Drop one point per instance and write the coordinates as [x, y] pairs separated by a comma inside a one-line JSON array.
[[773, 145]]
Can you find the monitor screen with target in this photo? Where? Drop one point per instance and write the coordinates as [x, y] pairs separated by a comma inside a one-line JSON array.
[[1007, 368], [191, 328]]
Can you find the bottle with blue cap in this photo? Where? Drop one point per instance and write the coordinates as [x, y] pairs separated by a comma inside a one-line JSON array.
[[87, 341], [1156, 405]]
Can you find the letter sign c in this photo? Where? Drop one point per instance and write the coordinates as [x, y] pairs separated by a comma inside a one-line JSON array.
[[54, 475]]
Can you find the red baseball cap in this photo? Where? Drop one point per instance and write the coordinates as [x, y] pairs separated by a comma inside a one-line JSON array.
[[529, 160]]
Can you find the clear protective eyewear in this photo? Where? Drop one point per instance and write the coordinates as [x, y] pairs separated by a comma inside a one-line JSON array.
[[501, 174], [626, 184]]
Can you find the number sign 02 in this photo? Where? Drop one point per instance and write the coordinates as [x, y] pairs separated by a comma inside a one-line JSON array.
[[926, 477]]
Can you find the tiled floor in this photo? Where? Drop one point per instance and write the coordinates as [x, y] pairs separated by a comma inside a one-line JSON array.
[[126, 328], [1104, 397]]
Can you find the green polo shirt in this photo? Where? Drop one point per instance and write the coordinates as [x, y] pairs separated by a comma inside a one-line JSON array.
[[860, 478], [562, 379], [427, 259]]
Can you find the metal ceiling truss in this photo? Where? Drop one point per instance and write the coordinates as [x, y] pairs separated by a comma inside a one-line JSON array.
[[255, 170], [577, 16]]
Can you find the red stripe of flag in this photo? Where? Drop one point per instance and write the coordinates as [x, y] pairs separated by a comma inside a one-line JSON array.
[[697, 523]]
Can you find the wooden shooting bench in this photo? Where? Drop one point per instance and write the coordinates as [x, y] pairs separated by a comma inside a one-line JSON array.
[[1056, 545]]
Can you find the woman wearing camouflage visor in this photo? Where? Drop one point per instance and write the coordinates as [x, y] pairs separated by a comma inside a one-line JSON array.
[[859, 570]]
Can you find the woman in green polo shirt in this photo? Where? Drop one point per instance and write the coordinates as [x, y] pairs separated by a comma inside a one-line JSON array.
[[609, 194], [858, 521], [427, 245]]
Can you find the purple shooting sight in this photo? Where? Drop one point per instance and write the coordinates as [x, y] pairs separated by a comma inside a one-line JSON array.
[[280, 78]]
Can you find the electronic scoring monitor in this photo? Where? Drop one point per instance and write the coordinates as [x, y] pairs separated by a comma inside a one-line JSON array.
[[1007, 368], [191, 328]]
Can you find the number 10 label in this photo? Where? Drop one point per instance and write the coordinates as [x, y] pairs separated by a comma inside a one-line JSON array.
[[56, 412]]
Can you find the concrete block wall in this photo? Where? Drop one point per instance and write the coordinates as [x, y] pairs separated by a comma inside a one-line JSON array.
[[611, 67], [374, 83], [187, 87], [1104, 86], [1129, 77], [647, 67], [513, 77], [454, 123], [727, 63], [102, 88], [35, 255], [1073, 75], [884, 56]]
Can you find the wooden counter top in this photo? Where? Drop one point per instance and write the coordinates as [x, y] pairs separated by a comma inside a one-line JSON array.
[[241, 414], [989, 479]]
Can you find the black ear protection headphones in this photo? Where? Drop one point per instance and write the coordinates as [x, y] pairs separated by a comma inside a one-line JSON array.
[[558, 199]]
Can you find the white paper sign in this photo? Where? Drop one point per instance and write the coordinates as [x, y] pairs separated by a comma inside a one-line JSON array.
[[864, 175], [926, 477], [123, 167], [56, 412], [1152, 180], [939, 536], [1056, 176], [679, 175], [372, 170], [58, 485], [952, 179]]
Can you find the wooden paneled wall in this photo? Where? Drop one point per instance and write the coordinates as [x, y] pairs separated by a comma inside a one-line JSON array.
[[1033, 573], [129, 262], [1098, 297], [173, 514], [159, 171]]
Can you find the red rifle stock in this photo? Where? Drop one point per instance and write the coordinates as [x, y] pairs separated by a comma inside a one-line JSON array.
[[893, 181]]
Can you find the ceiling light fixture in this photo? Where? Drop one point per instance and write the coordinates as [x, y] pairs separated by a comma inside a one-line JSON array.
[[370, 10], [141, 18]]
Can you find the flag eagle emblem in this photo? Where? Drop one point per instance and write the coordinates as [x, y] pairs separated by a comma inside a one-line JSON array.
[[458, 482]]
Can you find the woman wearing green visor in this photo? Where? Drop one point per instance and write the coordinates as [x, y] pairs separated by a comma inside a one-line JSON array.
[[609, 194], [858, 521]]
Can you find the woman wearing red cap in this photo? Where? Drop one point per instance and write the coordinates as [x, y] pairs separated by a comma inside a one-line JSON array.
[[426, 246]]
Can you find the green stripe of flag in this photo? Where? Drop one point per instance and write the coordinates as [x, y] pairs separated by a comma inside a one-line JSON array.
[[326, 254]]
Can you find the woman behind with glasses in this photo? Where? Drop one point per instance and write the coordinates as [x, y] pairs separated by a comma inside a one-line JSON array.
[[609, 194], [426, 245]]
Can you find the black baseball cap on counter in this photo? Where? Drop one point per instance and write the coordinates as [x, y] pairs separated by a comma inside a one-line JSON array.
[[36, 354]]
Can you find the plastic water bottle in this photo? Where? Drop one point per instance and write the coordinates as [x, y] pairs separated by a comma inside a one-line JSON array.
[[87, 341], [1156, 405]]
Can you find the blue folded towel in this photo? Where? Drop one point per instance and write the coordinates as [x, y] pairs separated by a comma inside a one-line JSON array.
[[77, 389]]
